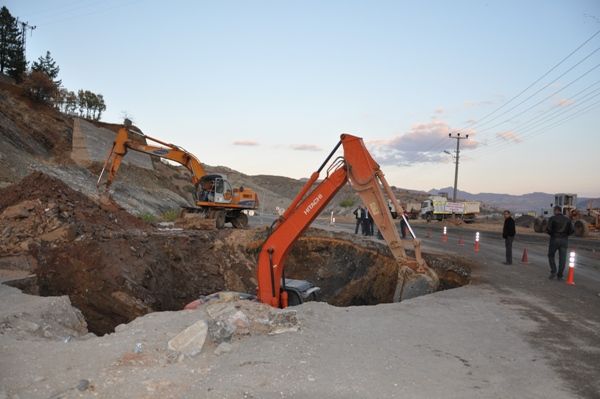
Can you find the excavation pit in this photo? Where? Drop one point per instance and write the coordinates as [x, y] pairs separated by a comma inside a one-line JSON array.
[[115, 280], [115, 268]]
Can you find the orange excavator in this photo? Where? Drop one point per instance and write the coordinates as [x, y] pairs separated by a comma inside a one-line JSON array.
[[364, 175], [214, 196]]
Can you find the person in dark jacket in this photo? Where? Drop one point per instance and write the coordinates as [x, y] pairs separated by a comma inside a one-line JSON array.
[[368, 224], [360, 215], [559, 228], [508, 233]]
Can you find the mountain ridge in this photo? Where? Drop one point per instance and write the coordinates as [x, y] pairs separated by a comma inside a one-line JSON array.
[[533, 201]]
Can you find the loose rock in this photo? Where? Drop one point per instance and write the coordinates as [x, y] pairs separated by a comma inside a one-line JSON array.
[[191, 340]]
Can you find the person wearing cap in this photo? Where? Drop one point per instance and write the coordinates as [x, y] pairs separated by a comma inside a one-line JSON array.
[[559, 228], [508, 233]]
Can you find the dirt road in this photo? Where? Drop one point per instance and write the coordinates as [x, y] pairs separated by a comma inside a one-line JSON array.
[[563, 320]]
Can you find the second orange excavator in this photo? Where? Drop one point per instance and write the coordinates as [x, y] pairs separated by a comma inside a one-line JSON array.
[[214, 196]]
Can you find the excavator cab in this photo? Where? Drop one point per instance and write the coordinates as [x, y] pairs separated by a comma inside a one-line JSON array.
[[215, 188]]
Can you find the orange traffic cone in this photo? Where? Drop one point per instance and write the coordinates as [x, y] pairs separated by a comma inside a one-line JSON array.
[[571, 274], [525, 259], [445, 235], [476, 248]]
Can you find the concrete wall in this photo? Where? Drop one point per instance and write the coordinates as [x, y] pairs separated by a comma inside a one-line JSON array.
[[92, 144]]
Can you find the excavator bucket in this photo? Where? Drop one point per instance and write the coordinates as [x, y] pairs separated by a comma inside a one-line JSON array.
[[368, 180]]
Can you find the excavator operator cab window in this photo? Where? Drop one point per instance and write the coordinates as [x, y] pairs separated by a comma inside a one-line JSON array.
[[223, 191], [219, 186]]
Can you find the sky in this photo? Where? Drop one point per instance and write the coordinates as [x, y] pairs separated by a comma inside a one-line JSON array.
[[267, 87]]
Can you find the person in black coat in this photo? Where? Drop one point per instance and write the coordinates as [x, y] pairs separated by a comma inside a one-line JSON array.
[[559, 228], [368, 224], [508, 233]]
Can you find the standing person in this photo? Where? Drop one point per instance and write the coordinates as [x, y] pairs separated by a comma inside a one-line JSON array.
[[508, 233], [366, 226], [403, 225], [359, 213], [370, 224], [559, 228]]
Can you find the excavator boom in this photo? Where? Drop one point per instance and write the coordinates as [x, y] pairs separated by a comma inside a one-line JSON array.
[[123, 143], [358, 167]]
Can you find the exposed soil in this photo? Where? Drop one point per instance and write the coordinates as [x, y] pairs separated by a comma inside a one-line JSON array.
[[115, 268], [44, 132], [44, 209], [525, 221]]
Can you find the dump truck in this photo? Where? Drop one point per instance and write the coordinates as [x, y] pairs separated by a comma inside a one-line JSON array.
[[438, 207]]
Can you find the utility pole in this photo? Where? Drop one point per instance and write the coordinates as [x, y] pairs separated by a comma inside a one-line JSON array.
[[24, 27], [458, 138]]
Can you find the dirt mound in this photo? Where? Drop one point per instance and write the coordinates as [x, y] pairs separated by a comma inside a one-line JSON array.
[[41, 208], [525, 221]]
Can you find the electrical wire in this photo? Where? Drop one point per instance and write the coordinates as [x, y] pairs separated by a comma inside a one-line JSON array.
[[545, 98], [477, 122]]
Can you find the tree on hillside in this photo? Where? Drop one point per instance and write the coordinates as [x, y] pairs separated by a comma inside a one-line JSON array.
[[48, 66], [40, 87], [68, 102], [12, 53], [91, 105], [99, 107]]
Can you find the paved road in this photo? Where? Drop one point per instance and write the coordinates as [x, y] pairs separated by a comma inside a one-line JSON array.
[[567, 318]]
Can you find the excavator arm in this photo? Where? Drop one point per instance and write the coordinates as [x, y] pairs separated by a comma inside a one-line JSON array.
[[358, 167], [124, 142]]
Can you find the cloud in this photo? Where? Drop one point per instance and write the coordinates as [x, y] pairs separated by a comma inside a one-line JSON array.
[[509, 136], [439, 111], [565, 102], [424, 142], [248, 143], [471, 104], [305, 147]]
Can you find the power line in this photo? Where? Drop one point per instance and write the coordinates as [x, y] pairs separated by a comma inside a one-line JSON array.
[[535, 82], [545, 129], [539, 90], [545, 98], [543, 125], [558, 107], [85, 14], [559, 112], [436, 145]]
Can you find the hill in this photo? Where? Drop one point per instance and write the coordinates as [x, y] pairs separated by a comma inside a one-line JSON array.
[[37, 137]]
